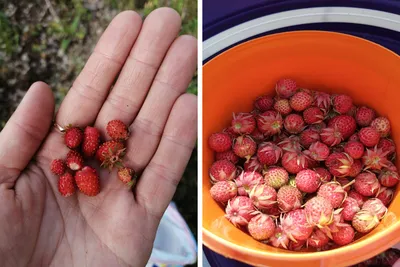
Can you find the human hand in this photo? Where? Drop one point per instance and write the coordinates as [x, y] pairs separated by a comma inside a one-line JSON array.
[[39, 227]]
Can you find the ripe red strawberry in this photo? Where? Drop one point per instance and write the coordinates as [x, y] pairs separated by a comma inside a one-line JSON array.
[[354, 137], [318, 239], [342, 103], [91, 141], [289, 198], [354, 149], [253, 165], [355, 168], [375, 159], [333, 192], [285, 88], [276, 177], [369, 136], [385, 195], [318, 151], [387, 145], [223, 191], [294, 123], [367, 184], [324, 175], [117, 130], [294, 162], [350, 208], [66, 185], [268, 153], [331, 136], [240, 210], [127, 176], [389, 178], [244, 146], [313, 115], [319, 211], [57, 167], [246, 181], [279, 239], [229, 155], [73, 137], [382, 125], [308, 136], [261, 227], [358, 197], [300, 101], [270, 122], [243, 123], [291, 143], [283, 107], [74, 160], [222, 170], [87, 181], [323, 101], [307, 181], [345, 124], [110, 154], [375, 206], [365, 221], [220, 142], [263, 196], [264, 103], [339, 164], [344, 236], [364, 116], [295, 225]]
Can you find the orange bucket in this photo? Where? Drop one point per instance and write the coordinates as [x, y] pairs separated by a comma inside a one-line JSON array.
[[323, 61]]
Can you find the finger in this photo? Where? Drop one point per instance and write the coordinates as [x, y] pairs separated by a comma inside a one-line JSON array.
[[158, 183], [87, 94], [159, 30], [25, 131]]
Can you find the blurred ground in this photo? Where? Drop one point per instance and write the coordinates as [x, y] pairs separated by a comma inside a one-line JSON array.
[[50, 40]]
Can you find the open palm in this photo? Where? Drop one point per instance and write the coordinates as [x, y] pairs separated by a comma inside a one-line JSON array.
[[152, 69]]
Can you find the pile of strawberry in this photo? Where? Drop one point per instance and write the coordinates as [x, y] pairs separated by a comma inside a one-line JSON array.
[[304, 169], [84, 145]]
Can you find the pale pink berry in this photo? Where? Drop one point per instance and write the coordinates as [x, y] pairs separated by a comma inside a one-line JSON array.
[[375, 206], [222, 170], [333, 192], [289, 198], [261, 227], [307, 181], [382, 125], [385, 195], [244, 146], [296, 226], [253, 165], [365, 221], [279, 239], [283, 107], [223, 191], [246, 181], [240, 210], [276, 177], [263, 196], [366, 184], [319, 211], [350, 208]]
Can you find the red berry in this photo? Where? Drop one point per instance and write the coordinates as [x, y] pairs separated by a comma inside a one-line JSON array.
[[345, 124], [240, 210], [220, 142], [229, 155], [243, 123], [74, 160], [253, 164], [344, 236], [91, 141], [268, 153], [222, 170], [244, 146], [289, 198], [285, 88], [127, 176], [333, 192], [355, 149], [318, 239], [308, 137], [87, 181], [313, 115], [57, 167], [73, 137], [223, 191], [366, 184], [369, 136], [324, 174], [350, 208], [342, 103], [261, 227], [294, 162], [294, 123], [283, 107], [264, 103], [66, 184], [389, 178], [110, 154], [300, 101], [270, 122], [385, 195], [307, 181], [364, 116], [117, 130]]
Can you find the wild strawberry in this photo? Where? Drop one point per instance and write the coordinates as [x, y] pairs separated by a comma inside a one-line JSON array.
[[365, 221], [323, 101], [228, 155], [300, 101], [73, 137], [270, 122], [324, 175], [366, 184], [294, 123], [66, 184], [127, 176], [333, 192], [276, 139], [318, 127], [244, 146], [331, 136], [274, 211], [387, 145], [243, 123], [87, 181], [74, 160], [350, 208], [57, 167], [318, 151], [385, 195], [339, 164], [307, 181], [295, 225], [222, 170], [294, 162], [263, 196], [291, 143], [279, 239], [318, 239], [110, 154], [364, 116], [264, 103], [246, 181], [257, 135], [355, 168], [268, 153], [354, 137], [388, 178], [253, 165], [229, 131], [313, 115], [358, 197], [319, 211], [382, 125], [223, 191], [240, 210], [375, 206], [342, 103], [345, 124], [369, 136], [220, 142], [285, 88], [289, 198], [354, 149], [344, 236], [276, 177], [117, 130], [308, 136], [91, 141], [261, 227], [283, 107], [375, 159]]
